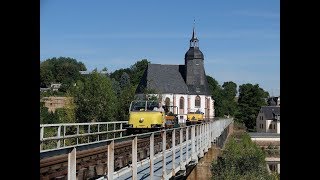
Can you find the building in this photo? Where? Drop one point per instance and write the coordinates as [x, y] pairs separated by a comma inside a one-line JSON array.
[[184, 86], [268, 119]]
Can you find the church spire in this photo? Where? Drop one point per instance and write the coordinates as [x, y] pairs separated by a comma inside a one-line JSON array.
[[194, 40]]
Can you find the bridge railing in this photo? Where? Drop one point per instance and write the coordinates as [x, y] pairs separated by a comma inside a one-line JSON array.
[[55, 136], [199, 137]]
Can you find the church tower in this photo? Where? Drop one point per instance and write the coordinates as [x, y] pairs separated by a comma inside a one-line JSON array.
[[195, 77]]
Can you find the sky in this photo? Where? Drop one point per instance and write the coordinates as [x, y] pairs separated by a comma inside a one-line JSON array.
[[240, 40]]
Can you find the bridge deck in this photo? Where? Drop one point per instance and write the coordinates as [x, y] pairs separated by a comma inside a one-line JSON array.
[[144, 166]]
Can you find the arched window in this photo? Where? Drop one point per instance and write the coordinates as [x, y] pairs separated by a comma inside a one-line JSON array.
[[167, 101], [181, 103], [197, 101]]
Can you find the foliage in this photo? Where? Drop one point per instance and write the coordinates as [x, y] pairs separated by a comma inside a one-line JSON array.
[[137, 70], [95, 99], [251, 98], [63, 70], [241, 159], [224, 97], [125, 97], [47, 117], [67, 113]]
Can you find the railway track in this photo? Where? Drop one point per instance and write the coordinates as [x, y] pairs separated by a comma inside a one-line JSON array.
[[93, 162]]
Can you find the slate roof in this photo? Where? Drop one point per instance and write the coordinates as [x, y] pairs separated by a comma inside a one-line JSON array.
[[193, 53], [270, 111], [163, 79]]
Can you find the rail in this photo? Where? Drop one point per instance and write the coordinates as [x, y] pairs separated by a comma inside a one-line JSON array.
[[56, 136], [186, 152]]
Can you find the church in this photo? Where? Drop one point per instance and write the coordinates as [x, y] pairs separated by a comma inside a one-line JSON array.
[[183, 86]]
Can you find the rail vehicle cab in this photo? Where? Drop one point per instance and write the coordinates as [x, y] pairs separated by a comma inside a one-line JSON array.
[[195, 117], [171, 118], [145, 115]]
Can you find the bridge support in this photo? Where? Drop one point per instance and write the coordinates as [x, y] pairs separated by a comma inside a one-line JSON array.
[[72, 162]]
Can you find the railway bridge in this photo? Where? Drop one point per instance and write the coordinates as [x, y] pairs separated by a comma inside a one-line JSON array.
[[104, 151]]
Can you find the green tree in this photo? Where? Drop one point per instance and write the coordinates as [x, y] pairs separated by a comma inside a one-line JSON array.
[[95, 99], [251, 98], [63, 70], [125, 97], [137, 70], [241, 159], [229, 92]]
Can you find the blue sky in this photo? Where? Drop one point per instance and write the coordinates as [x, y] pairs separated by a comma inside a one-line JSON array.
[[240, 40]]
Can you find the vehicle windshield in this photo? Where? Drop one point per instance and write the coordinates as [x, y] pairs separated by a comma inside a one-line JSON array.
[[142, 105]]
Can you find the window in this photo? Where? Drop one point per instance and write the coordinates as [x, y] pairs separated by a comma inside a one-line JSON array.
[[167, 101], [274, 126], [181, 103], [261, 117], [270, 126], [262, 126], [197, 101]]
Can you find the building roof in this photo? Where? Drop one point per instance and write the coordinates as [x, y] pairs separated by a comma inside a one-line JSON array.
[[270, 111], [193, 53], [163, 79]]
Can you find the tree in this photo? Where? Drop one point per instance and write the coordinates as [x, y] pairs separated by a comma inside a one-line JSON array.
[[125, 97], [241, 159], [137, 70], [251, 98], [229, 92], [63, 70], [95, 99]]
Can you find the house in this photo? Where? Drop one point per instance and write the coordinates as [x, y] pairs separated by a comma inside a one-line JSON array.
[[268, 119], [184, 86]]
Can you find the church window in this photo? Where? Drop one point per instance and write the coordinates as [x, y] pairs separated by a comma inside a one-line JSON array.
[[181, 103], [167, 101], [197, 102]]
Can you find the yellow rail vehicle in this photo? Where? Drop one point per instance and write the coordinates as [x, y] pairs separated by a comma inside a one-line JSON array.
[[145, 116], [194, 118]]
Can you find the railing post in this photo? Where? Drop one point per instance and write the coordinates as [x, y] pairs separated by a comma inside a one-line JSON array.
[[98, 131], [59, 140], [64, 134], [121, 129], [173, 150], [72, 162], [164, 142], [41, 137], [194, 156], [198, 139], [110, 160], [114, 129], [89, 133], [78, 127], [201, 138], [134, 158], [205, 127], [151, 155], [187, 142], [181, 148]]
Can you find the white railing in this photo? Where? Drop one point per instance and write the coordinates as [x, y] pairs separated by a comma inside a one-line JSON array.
[[55, 136], [202, 137]]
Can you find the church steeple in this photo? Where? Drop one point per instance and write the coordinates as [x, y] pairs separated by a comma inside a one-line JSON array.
[[194, 73], [194, 42]]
